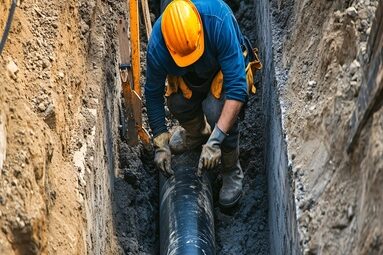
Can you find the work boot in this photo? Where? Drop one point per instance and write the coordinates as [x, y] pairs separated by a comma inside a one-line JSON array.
[[232, 177], [193, 134]]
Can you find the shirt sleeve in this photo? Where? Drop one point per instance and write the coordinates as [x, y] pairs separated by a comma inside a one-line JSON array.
[[231, 59], [154, 93]]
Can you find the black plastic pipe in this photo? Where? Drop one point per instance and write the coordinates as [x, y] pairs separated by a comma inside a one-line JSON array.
[[8, 25], [186, 210]]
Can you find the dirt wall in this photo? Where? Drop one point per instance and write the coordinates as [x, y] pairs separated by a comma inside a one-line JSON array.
[[282, 217], [337, 194], [58, 122]]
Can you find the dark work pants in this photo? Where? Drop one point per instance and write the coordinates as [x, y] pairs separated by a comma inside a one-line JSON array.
[[187, 109]]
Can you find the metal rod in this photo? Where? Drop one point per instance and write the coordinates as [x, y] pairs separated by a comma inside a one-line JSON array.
[[186, 210]]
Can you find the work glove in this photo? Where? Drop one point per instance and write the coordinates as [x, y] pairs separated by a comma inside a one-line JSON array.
[[211, 151], [163, 156]]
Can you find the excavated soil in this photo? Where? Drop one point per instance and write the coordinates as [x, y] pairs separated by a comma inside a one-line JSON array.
[[325, 57], [69, 184]]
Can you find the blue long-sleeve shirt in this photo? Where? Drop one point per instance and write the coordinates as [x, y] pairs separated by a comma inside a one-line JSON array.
[[223, 41]]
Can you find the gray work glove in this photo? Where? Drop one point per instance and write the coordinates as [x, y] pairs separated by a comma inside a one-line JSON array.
[[163, 156], [211, 151]]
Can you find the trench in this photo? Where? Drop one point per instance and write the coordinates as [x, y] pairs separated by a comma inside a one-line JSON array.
[[264, 221]]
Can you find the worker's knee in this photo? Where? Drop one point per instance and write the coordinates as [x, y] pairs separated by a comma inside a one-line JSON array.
[[212, 109], [183, 109]]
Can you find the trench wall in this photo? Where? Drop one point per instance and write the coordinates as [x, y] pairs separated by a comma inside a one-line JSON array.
[[282, 217]]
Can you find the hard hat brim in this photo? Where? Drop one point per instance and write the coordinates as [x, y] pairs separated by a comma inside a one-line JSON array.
[[187, 60]]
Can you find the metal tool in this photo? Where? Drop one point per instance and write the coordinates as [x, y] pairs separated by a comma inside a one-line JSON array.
[[129, 40], [130, 80]]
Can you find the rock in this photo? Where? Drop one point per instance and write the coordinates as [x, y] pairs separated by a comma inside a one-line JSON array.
[[45, 63], [312, 83], [12, 69], [50, 116], [84, 28], [60, 75], [352, 12], [42, 107], [354, 67], [337, 16]]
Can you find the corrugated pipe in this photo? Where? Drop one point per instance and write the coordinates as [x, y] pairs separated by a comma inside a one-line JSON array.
[[186, 210]]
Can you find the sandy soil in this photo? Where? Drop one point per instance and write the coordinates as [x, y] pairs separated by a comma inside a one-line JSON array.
[[39, 184], [70, 185], [56, 149]]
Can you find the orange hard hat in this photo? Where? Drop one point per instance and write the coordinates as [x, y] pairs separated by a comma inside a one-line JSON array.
[[182, 30]]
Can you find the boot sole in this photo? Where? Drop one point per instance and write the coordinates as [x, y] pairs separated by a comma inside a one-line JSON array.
[[232, 204]]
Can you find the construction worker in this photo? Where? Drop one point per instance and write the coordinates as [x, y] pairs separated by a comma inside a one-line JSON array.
[[198, 47]]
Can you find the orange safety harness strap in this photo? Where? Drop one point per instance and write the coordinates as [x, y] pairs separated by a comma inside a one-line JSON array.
[[176, 82]]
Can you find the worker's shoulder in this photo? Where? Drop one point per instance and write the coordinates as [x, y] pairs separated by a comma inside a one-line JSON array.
[[156, 40], [212, 9], [156, 48]]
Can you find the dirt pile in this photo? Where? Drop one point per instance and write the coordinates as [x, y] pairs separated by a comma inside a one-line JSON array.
[[337, 194]]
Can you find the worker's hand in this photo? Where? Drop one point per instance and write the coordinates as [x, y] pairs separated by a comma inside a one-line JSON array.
[[163, 156], [211, 151]]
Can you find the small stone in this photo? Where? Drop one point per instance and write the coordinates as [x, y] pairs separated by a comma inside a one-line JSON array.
[[368, 31], [42, 107], [84, 28], [355, 77], [354, 67], [45, 63], [312, 84], [12, 69], [352, 12], [60, 75], [338, 16]]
